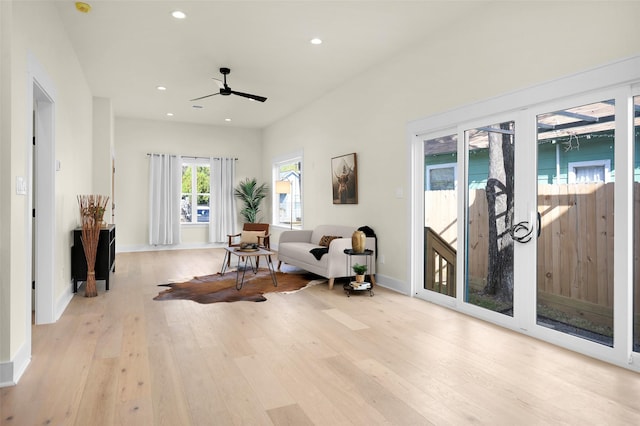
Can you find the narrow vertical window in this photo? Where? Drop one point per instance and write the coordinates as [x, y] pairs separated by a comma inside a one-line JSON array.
[[287, 193]]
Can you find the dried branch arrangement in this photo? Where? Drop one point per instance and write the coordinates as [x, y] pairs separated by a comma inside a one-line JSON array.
[[92, 208]]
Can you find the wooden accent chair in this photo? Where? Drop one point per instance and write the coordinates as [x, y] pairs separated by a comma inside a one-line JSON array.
[[251, 233]]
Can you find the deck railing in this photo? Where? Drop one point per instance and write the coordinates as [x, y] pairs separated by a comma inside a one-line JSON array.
[[440, 264]]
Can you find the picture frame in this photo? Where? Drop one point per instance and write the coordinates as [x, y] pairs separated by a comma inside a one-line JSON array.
[[344, 179]]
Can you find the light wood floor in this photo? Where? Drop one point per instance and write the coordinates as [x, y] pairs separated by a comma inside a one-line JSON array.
[[312, 357]]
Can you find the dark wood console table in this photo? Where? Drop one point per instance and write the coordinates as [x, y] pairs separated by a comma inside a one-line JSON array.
[[105, 258]]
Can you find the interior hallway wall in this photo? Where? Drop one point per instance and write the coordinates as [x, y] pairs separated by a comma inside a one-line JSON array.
[[36, 31], [5, 187]]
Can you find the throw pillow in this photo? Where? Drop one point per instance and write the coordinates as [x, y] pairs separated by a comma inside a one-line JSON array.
[[326, 240], [250, 236]]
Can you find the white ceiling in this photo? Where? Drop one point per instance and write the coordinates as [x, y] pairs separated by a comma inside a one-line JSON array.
[[127, 48]]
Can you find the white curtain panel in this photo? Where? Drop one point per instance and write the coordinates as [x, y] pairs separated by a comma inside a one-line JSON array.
[[165, 189], [222, 221]]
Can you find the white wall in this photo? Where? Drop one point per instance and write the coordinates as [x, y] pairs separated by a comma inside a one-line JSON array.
[[5, 185], [134, 138], [503, 48], [103, 147], [37, 31]]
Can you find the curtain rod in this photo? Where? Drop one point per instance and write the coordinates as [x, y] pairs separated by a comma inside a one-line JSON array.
[[188, 156]]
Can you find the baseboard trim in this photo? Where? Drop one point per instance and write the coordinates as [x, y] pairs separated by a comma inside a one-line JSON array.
[[392, 284], [147, 247], [11, 371], [63, 301], [6, 374]]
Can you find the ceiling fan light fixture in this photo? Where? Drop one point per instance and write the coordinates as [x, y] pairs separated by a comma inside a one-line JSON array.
[[178, 14]]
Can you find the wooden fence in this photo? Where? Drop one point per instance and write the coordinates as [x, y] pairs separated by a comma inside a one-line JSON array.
[[575, 247]]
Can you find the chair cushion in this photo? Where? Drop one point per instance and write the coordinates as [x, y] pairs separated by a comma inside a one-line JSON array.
[[326, 240], [250, 236]]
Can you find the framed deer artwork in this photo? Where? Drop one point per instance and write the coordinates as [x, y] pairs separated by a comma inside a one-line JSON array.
[[344, 179]]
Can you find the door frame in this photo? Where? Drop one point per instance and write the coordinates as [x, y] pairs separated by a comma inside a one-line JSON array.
[[41, 96]]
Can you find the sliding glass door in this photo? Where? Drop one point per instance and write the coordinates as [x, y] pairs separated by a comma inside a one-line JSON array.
[[576, 185], [528, 212], [490, 216], [440, 215]]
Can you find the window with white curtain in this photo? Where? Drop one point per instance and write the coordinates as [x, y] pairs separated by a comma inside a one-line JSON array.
[[196, 191]]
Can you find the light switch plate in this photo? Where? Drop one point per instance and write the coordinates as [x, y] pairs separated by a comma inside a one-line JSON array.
[[21, 185]]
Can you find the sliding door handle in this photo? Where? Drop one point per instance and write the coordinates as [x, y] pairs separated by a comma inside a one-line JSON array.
[[539, 224]]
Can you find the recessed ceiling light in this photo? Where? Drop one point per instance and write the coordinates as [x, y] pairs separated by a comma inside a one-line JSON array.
[[316, 41], [169, 114], [227, 119], [178, 14], [161, 88]]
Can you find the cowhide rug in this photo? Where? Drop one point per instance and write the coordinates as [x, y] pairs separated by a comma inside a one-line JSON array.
[[222, 288]]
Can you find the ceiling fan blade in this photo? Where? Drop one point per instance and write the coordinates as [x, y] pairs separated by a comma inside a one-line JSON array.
[[218, 82], [202, 97], [250, 96]]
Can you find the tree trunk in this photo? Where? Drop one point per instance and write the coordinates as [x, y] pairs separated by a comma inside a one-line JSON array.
[[499, 194]]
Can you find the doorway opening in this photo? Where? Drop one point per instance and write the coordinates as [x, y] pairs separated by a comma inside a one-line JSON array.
[[41, 210]]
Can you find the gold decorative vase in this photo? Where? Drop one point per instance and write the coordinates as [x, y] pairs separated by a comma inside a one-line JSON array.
[[358, 240]]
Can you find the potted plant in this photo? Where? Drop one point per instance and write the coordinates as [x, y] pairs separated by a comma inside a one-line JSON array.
[[359, 270], [251, 194]]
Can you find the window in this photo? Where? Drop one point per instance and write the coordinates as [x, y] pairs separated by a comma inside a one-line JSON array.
[[194, 205], [287, 192], [589, 171], [441, 177]]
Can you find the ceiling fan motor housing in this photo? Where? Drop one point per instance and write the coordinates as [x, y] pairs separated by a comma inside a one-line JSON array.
[[226, 90]]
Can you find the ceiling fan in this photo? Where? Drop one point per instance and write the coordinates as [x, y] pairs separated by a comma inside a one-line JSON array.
[[226, 90]]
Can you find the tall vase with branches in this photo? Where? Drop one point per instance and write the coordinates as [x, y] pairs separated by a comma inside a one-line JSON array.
[[92, 208], [251, 194]]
